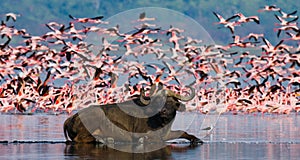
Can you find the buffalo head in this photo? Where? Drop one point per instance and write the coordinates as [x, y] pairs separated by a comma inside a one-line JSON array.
[[165, 102]]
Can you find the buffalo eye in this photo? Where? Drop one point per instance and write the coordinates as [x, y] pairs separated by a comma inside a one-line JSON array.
[[177, 105], [164, 111]]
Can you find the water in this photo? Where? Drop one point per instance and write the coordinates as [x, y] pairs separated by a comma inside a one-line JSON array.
[[235, 137]]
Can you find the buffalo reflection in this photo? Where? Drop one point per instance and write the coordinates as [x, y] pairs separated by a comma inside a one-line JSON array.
[[100, 151]]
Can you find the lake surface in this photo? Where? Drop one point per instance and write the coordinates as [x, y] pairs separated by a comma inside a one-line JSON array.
[[235, 137]]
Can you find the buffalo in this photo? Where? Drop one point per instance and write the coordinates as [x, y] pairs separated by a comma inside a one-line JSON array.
[[144, 118]]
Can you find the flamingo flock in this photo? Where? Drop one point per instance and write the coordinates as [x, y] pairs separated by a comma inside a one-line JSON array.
[[59, 71]]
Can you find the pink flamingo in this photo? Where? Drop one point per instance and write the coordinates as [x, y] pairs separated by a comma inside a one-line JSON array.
[[269, 8]]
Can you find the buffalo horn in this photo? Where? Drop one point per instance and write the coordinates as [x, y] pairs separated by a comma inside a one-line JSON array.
[[143, 97], [180, 97]]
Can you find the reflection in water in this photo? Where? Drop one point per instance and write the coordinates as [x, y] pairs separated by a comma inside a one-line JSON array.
[[235, 137], [94, 151], [249, 151], [214, 150], [33, 151], [32, 127], [257, 128]]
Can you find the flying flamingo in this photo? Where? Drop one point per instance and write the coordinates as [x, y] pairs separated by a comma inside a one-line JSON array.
[[237, 42], [269, 8], [12, 16], [174, 38], [269, 48], [244, 19], [231, 26], [253, 36], [294, 37], [86, 20], [143, 17], [288, 15], [286, 28], [284, 22], [223, 20]]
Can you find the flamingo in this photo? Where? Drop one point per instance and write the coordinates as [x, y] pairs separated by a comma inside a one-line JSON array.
[[12, 16], [86, 20], [294, 37], [237, 42], [232, 25], [174, 38], [5, 44], [288, 15], [172, 72], [284, 22], [244, 19], [108, 46], [253, 36], [143, 17], [269, 48], [51, 26], [92, 29], [286, 28], [223, 20], [269, 8]]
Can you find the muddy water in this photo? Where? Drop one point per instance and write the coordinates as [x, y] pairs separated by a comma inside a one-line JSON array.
[[235, 137]]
